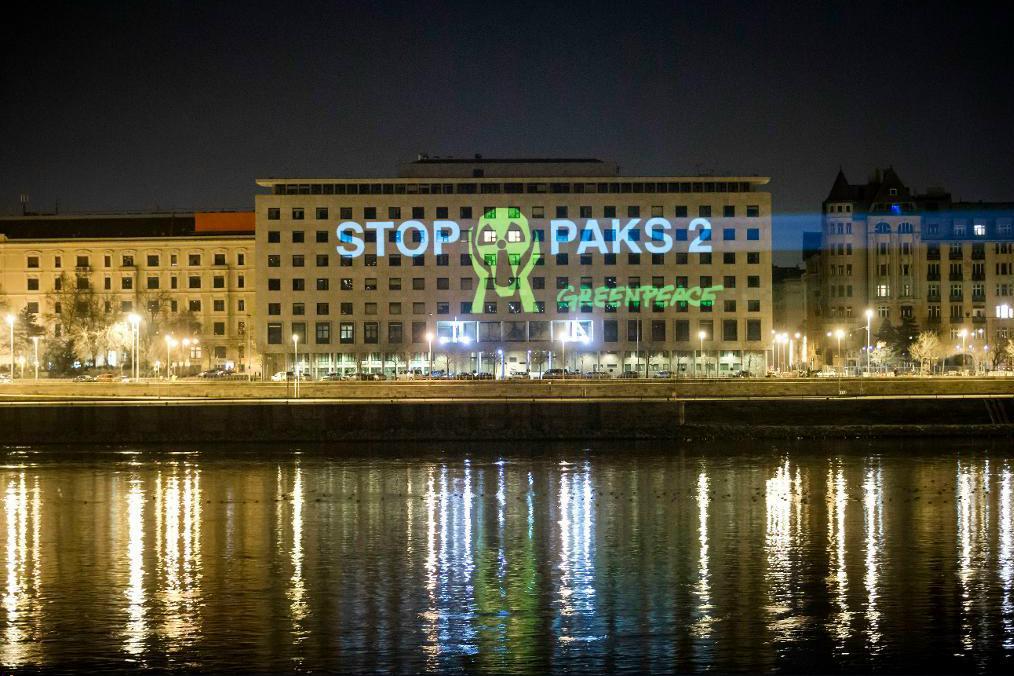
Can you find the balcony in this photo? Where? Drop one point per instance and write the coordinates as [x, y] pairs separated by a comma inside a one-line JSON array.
[[978, 276], [978, 297], [957, 320], [933, 254], [955, 255], [956, 297], [932, 276], [933, 297], [933, 319], [956, 277], [979, 319]]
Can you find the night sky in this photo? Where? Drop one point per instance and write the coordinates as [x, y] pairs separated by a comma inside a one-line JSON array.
[[132, 105]]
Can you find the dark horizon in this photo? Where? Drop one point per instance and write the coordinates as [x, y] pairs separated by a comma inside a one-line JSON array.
[[123, 107]]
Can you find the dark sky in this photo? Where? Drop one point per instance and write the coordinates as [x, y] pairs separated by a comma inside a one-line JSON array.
[[133, 105]]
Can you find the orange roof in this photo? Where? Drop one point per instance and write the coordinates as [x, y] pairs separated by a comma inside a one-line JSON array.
[[224, 221]]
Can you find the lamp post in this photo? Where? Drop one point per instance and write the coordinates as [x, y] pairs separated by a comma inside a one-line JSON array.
[[869, 320], [429, 339], [701, 335], [563, 353], [295, 363], [35, 341], [503, 370], [170, 343], [10, 322], [135, 321], [963, 333], [839, 334]]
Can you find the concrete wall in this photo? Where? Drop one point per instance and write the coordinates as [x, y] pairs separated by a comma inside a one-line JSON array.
[[176, 422], [522, 389]]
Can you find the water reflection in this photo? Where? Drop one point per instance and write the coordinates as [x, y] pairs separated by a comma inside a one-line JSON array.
[[22, 598], [516, 564]]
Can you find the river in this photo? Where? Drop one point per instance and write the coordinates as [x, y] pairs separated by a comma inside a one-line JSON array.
[[726, 556]]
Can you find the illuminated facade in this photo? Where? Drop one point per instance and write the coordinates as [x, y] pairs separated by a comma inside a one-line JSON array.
[[188, 273], [919, 260], [507, 266]]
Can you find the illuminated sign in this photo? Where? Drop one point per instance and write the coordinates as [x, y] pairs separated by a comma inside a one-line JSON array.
[[504, 248], [667, 295]]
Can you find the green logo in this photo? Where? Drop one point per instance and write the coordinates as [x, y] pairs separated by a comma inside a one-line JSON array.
[[503, 254]]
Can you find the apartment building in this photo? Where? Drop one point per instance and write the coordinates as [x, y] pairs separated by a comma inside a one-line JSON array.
[[511, 265], [919, 259], [191, 274]]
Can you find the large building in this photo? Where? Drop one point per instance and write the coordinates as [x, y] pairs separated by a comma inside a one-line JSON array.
[[187, 275], [923, 260], [506, 266]]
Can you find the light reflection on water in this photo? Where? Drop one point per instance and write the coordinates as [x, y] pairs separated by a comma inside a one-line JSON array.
[[849, 557]]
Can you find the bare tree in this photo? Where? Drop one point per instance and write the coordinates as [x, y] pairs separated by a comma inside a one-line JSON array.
[[927, 350]]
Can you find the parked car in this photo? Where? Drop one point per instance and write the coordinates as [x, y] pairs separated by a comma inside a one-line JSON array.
[[663, 374], [212, 373], [364, 377], [550, 374], [630, 375], [282, 376], [331, 376], [598, 375], [5, 378], [107, 378], [83, 378]]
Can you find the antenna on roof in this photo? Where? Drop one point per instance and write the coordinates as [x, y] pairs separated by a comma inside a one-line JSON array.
[[24, 203]]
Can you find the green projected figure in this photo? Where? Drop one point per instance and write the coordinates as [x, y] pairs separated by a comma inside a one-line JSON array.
[[504, 251]]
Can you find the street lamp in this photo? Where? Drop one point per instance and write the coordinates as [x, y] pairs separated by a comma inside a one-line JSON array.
[[10, 322], [135, 321], [839, 334], [869, 320], [170, 343], [429, 339], [295, 363], [964, 334], [701, 335], [35, 340]]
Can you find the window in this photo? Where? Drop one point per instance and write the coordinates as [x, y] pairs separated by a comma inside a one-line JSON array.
[[82, 262], [274, 214], [394, 333], [194, 306], [347, 333], [323, 333], [752, 211], [274, 285], [194, 260], [274, 236], [321, 214], [323, 309], [297, 213], [704, 211], [126, 283], [753, 281], [729, 211], [730, 330], [323, 284], [193, 282], [298, 284], [219, 259], [218, 328], [274, 333], [371, 332], [33, 283]]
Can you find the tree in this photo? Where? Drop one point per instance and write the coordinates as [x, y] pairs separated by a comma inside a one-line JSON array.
[[883, 355], [1008, 352], [907, 333], [927, 350], [80, 317]]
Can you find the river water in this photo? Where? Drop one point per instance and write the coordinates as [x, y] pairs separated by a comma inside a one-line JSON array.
[[738, 556]]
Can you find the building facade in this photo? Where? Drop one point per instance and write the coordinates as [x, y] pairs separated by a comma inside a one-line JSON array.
[[189, 275], [923, 261], [512, 266]]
